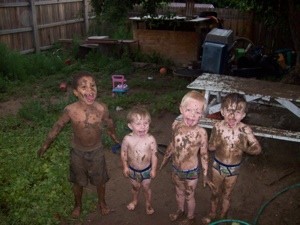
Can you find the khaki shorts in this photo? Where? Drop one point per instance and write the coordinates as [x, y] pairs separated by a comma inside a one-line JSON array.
[[88, 166]]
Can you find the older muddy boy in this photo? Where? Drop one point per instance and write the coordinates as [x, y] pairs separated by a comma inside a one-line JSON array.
[[87, 161]]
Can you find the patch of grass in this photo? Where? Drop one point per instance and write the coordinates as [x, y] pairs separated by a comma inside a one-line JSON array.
[[33, 111], [34, 190]]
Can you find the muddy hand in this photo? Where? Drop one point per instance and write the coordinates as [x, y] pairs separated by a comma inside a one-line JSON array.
[[211, 186]]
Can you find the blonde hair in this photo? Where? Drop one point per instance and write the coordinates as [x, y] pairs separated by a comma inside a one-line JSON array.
[[196, 95], [138, 111]]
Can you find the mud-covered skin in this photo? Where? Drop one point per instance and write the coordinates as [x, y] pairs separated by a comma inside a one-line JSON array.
[[139, 150], [87, 116], [229, 144], [188, 145], [230, 139]]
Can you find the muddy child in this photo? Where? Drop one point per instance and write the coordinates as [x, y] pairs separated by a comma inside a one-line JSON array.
[[87, 161], [139, 156], [229, 140], [188, 144]]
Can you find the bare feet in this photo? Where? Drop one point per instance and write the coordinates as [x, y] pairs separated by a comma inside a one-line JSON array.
[[207, 219], [177, 215], [149, 210], [76, 212], [104, 210], [131, 206], [187, 221]]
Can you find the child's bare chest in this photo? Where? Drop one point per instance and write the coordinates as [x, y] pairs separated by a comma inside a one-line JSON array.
[[186, 137], [86, 119], [234, 141]]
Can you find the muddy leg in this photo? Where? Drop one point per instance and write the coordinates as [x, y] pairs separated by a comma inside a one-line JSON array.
[[104, 210], [147, 193], [135, 190], [228, 188], [77, 191]]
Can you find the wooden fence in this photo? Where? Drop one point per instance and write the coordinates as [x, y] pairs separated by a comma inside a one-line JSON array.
[[34, 25]]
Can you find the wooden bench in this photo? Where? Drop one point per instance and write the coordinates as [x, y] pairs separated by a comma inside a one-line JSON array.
[[104, 40], [258, 91], [109, 46]]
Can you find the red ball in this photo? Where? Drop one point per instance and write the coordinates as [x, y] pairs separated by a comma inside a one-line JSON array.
[[163, 71], [68, 62]]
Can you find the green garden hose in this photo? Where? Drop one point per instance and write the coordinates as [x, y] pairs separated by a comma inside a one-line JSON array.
[[237, 222], [260, 211]]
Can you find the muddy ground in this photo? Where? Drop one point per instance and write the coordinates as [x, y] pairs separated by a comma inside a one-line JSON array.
[[265, 192]]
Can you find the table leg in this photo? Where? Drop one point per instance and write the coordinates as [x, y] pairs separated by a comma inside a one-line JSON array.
[[289, 105]]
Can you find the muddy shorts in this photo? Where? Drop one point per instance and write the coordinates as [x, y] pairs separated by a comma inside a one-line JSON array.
[[140, 175], [88, 166], [187, 174], [226, 170]]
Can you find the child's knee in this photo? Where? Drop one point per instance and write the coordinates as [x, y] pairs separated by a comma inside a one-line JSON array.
[[189, 194], [227, 197], [136, 187]]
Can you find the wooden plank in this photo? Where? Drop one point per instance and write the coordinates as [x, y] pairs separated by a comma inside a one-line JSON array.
[[36, 37], [102, 41], [229, 84], [13, 31], [86, 15], [260, 131]]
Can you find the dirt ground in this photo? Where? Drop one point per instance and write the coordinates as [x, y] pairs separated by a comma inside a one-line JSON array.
[[262, 178], [267, 191]]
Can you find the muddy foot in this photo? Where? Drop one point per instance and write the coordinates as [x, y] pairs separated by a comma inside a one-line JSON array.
[[188, 221], [131, 206], [76, 212], [207, 219], [177, 215], [104, 210], [149, 210]]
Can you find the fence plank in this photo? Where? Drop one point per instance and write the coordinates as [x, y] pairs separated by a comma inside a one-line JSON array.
[[34, 26]]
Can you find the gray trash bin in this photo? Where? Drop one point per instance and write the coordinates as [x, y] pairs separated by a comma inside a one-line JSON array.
[[216, 50]]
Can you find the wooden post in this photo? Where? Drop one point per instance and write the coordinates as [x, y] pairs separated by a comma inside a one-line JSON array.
[[189, 9], [36, 37], [86, 15]]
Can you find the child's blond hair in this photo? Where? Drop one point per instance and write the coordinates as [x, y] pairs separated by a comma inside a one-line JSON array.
[[138, 112], [196, 95]]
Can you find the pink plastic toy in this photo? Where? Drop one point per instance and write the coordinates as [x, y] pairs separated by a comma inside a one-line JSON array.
[[119, 85]]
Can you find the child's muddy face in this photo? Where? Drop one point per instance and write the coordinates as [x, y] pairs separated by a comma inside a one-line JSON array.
[[140, 126], [86, 90], [233, 113], [192, 112]]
